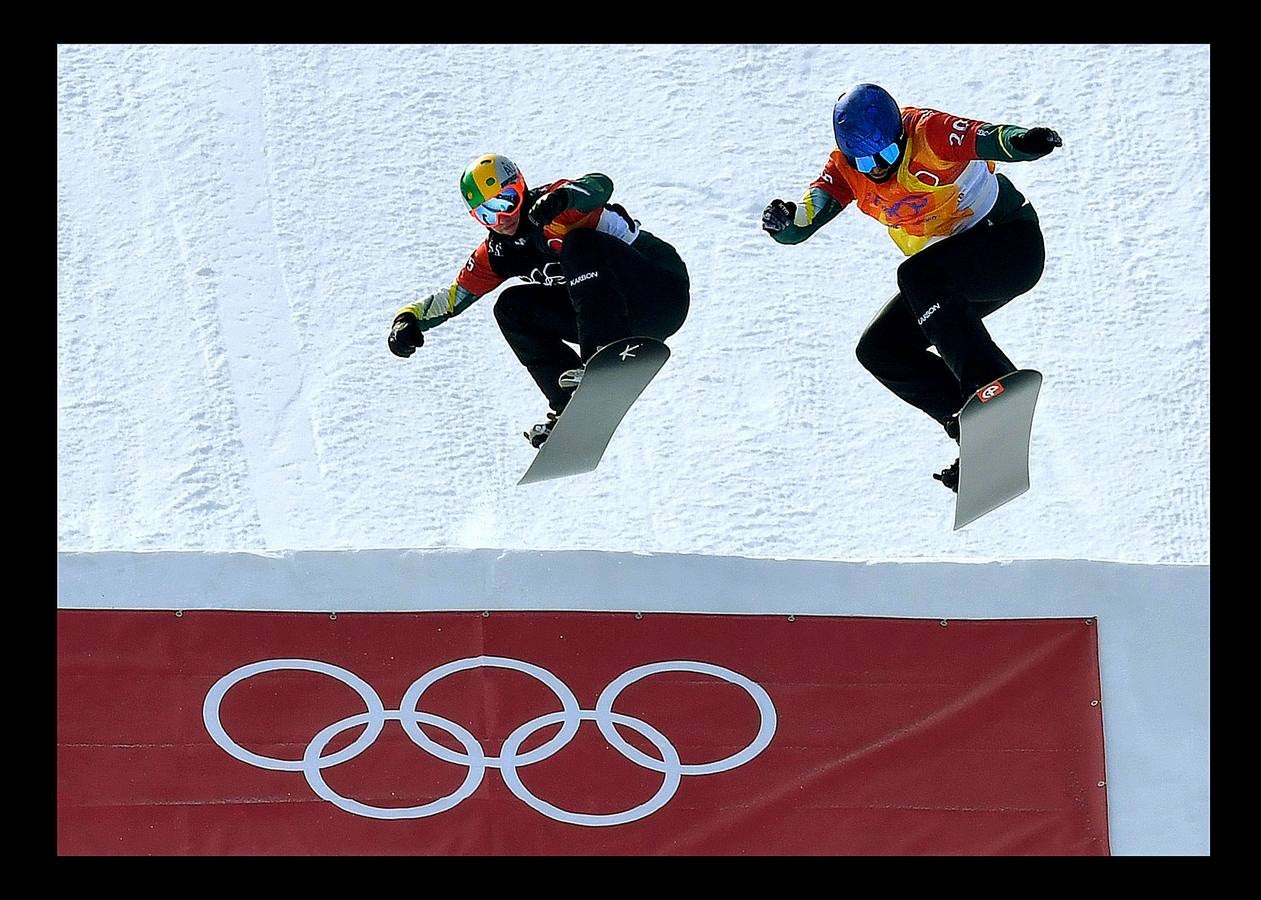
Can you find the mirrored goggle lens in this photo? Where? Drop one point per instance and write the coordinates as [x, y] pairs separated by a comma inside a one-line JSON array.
[[887, 156], [490, 211]]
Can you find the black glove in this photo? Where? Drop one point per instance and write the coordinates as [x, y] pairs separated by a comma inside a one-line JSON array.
[[1037, 141], [549, 206], [405, 335], [778, 215]]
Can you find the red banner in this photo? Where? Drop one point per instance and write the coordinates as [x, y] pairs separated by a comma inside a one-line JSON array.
[[576, 734]]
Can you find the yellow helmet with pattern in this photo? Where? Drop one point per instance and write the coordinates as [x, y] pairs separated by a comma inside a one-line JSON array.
[[494, 190]]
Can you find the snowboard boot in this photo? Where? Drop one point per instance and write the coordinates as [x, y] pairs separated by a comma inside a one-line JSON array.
[[952, 427], [571, 379], [539, 433], [949, 477]]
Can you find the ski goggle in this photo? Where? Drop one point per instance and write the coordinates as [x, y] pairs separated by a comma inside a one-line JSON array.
[[888, 156], [503, 204]]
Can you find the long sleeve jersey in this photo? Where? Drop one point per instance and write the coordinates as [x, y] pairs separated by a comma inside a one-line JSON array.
[[945, 182], [533, 253]]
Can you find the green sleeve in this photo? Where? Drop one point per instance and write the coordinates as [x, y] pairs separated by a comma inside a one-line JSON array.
[[590, 192], [994, 142], [440, 306], [815, 210]]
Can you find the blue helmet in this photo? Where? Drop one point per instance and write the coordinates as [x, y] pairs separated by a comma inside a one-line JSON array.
[[866, 120]]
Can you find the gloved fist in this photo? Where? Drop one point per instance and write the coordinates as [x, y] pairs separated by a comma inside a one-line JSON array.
[[620, 210], [1039, 141], [778, 215], [405, 335], [549, 206]]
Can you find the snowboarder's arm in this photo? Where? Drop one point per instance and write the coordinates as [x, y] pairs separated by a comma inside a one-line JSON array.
[[1011, 143], [589, 192], [475, 280], [826, 196], [567, 202], [955, 138], [815, 210], [407, 331], [439, 306]]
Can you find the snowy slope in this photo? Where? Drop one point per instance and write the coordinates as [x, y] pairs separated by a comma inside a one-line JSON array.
[[238, 224]]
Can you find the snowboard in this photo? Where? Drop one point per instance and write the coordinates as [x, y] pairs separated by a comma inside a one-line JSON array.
[[994, 429], [614, 378]]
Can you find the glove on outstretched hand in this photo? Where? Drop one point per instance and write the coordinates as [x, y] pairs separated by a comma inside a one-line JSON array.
[[549, 206], [778, 215], [405, 335], [1037, 140]]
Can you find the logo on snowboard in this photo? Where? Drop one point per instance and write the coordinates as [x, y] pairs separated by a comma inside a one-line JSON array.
[[627, 352], [989, 392]]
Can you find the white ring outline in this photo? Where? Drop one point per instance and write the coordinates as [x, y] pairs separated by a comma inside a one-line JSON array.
[[569, 709], [210, 711], [604, 709], [673, 770], [315, 776]]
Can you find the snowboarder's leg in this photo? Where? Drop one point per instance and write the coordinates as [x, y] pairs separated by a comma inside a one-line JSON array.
[[537, 321], [659, 292], [894, 349], [616, 291], [951, 285]]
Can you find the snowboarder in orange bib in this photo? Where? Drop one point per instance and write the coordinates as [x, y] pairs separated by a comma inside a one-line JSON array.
[[973, 241]]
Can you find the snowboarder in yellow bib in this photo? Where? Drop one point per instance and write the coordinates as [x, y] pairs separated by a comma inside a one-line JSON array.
[[973, 241]]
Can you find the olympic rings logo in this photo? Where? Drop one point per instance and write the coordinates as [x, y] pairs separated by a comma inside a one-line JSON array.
[[510, 759]]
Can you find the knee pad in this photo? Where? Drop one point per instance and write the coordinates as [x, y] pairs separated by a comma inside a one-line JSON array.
[[864, 352], [915, 284], [872, 355], [510, 305]]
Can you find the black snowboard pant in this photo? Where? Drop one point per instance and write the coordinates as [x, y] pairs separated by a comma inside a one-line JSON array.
[[944, 291], [628, 294]]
